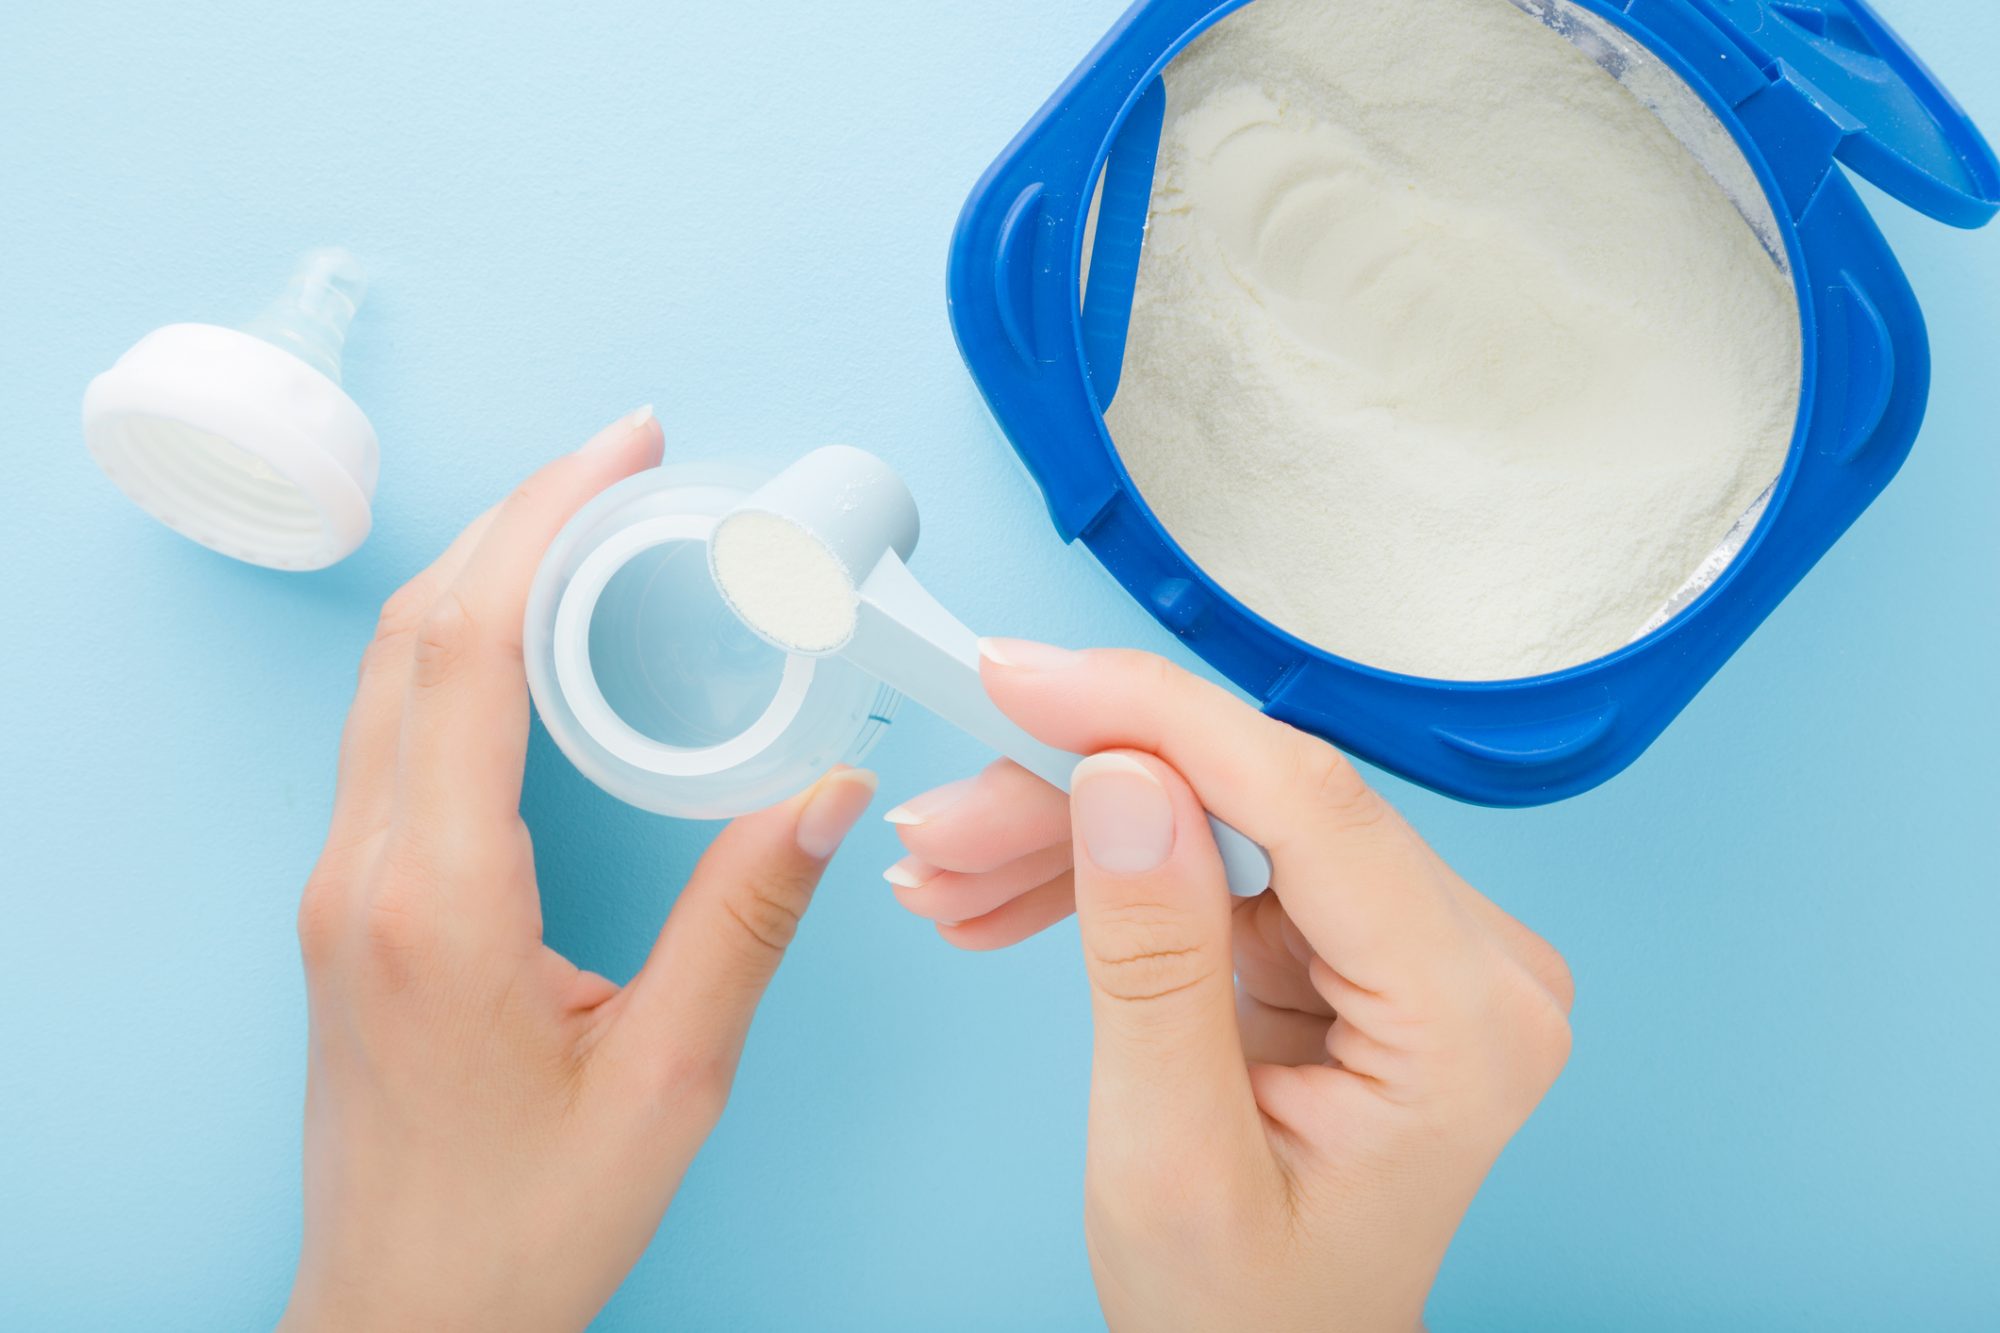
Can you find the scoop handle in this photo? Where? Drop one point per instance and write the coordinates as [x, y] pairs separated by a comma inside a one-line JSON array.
[[907, 639]]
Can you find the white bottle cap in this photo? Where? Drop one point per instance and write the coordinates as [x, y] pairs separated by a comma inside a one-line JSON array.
[[243, 439]]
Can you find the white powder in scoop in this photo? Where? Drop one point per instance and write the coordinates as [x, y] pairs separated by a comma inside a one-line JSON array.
[[1446, 356], [783, 582]]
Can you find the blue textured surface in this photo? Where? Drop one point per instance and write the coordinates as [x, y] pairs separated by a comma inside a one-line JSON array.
[[1780, 1110]]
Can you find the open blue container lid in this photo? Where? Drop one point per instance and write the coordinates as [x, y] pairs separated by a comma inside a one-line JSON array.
[[1899, 127], [1798, 84]]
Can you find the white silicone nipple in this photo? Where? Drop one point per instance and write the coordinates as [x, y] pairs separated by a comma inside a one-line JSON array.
[[242, 439]]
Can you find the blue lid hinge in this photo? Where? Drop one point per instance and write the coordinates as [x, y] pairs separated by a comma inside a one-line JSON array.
[[1800, 130]]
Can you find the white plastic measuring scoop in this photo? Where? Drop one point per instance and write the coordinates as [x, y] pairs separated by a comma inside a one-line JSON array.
[[812, 562]]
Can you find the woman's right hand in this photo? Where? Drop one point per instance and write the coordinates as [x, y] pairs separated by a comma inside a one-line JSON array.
[[1294, 1097]]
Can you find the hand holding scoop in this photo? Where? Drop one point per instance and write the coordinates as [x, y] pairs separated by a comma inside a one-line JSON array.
[[812, 562]]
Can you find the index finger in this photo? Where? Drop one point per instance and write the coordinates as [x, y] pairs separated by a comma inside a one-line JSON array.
[[365, 779], [1368, 895], [465, 723]]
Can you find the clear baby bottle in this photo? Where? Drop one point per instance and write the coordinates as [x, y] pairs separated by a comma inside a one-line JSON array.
[[653, 688]]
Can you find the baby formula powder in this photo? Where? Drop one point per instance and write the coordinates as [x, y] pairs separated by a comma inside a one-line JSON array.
[[1446, 356], [783, 582]]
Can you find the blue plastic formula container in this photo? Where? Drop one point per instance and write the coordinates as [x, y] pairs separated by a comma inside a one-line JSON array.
[[1801, 87]]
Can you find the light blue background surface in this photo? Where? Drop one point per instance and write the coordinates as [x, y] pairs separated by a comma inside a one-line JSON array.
[[1781, 1109]]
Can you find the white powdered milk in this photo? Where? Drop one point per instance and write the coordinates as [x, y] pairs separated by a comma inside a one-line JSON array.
[[1446, 356], [783, 582]]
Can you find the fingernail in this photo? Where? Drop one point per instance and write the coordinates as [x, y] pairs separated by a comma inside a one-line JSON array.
[[618, 431], [910, 873], [1124, 817], [931, 804], [1027, 654], [835, 806]]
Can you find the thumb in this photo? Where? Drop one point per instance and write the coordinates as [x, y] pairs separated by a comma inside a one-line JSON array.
[[1154, 913], [689, 1009]]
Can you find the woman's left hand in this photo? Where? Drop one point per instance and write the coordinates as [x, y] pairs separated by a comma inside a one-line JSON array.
[[492, 1135]]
